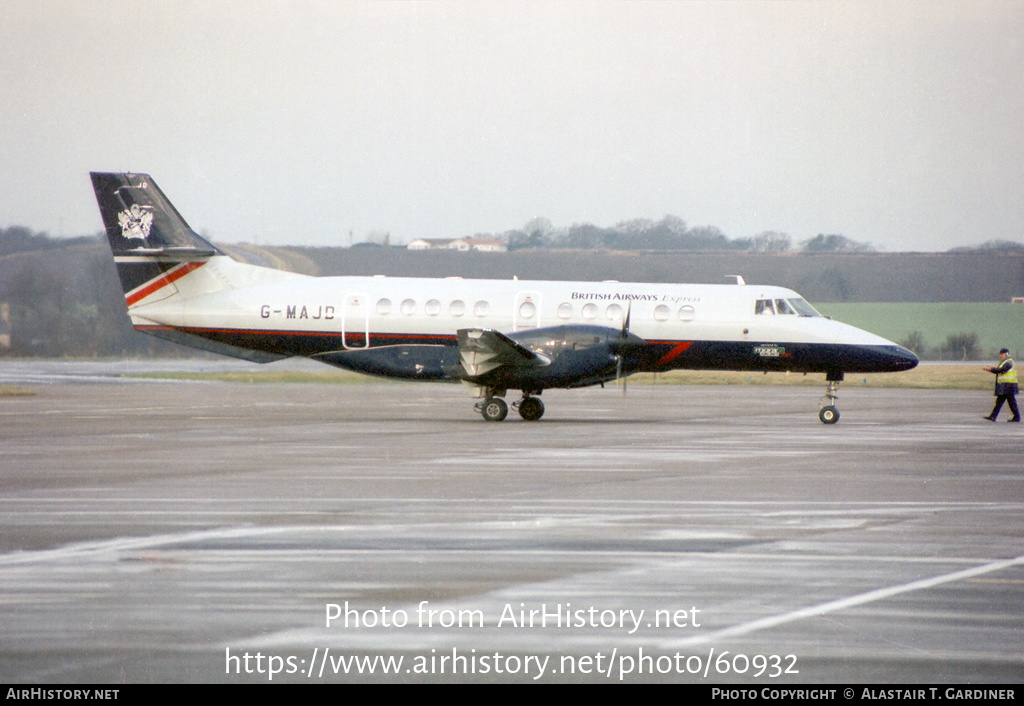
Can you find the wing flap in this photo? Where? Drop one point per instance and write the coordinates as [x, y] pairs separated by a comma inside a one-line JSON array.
[[484, 350]]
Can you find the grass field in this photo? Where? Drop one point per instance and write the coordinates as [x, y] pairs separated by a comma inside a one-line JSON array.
[[946, 376], [14, 391], [330, 376], [936, 377], [996, 325]]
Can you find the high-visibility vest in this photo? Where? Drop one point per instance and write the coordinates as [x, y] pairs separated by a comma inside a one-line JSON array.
[[1007, 376]]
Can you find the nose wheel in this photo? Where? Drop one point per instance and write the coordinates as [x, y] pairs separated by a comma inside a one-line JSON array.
[[829, 414]]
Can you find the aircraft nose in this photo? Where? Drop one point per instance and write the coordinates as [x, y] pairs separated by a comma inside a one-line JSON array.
[[899, 358]]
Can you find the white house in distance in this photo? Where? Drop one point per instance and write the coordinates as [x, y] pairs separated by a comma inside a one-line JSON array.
[[428, 244], [464, 244]]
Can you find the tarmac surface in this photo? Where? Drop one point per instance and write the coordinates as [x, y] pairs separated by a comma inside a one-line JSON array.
[[219, 532]]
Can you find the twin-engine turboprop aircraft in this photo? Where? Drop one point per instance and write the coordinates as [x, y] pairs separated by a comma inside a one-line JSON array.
[[493, 335]]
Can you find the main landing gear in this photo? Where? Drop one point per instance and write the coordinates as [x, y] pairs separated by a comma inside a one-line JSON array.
[[530, 408], [828, 414], [494, 409]]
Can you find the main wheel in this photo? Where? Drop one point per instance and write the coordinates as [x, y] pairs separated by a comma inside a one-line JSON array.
[[828, 415], [531, 409], [494, 409]]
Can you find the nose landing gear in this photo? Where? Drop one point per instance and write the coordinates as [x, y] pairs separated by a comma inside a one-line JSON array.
[[829, 414]]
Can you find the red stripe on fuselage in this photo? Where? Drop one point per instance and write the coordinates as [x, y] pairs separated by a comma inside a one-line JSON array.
[[440, 338], [674, 353], [161, 282]]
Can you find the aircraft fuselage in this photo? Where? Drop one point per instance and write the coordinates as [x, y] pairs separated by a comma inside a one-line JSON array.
[[494, 335], [406, 327]]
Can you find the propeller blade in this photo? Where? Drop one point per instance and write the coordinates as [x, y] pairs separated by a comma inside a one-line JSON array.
[[623, 337]]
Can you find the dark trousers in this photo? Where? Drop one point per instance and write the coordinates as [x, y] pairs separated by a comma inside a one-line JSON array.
[[1012, 400]]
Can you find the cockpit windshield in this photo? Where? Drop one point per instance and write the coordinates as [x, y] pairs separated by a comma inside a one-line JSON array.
[[784, 307]]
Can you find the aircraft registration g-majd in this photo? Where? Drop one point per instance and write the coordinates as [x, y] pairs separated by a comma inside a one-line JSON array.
[[493, 335]]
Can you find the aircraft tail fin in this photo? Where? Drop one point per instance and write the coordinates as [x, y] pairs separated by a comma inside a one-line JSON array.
[[152, 244], [159, 259], [140, 220]]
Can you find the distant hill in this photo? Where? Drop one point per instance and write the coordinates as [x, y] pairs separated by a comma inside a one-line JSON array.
[[64, 298], [823, 277]]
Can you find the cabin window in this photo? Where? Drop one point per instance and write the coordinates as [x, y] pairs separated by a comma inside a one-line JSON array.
[[384, 306], [590, 311], [565, 310], [432, 307], [686, 313], [613, 312], [457, 308], [661, 312], [408, 307], [527, 310], [481, 308]]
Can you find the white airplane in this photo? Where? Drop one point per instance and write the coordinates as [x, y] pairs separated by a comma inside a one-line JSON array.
[[492, 335]]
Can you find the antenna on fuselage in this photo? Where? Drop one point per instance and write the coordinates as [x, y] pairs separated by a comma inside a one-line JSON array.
[[739, 279]]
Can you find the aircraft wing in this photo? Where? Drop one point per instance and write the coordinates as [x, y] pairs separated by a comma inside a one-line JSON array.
[[483, 350]]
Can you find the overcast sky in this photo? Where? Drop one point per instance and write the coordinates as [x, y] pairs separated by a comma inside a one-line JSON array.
[[896, 123]]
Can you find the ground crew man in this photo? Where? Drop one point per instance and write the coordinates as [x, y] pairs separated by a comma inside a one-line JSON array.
[[1006, 386]]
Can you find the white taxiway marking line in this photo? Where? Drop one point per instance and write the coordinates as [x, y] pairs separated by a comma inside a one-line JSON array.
[[112, 546], [843, 603]]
